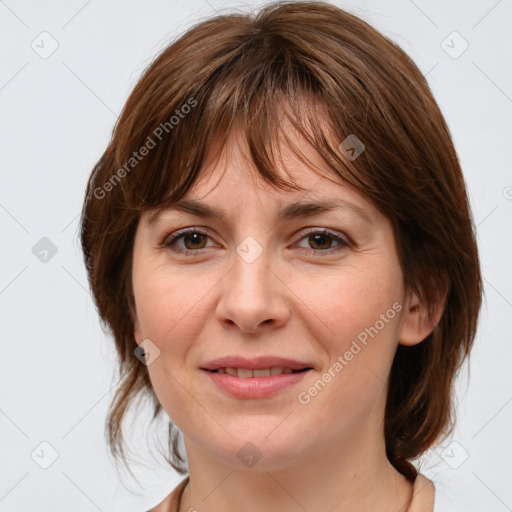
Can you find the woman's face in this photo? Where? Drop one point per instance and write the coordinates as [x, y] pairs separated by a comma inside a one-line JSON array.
[[263, 285]]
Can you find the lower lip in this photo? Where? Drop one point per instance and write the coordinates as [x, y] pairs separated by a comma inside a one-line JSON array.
[[255, 387]]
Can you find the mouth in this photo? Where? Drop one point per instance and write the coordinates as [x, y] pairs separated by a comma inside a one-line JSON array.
[[258, 378], [248, 373]]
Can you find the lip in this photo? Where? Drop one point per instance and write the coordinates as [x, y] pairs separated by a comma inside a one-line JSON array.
[[254, 387], [256, 363]]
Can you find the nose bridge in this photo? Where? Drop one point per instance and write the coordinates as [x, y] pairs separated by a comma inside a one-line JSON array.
[[252, 294]]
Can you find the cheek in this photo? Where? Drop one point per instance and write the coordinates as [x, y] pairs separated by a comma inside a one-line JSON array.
[[171, 312], [355, 317], [344, 304], [167, 304]]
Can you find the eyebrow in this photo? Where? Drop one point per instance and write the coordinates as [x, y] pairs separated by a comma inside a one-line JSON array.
[[291, 211]]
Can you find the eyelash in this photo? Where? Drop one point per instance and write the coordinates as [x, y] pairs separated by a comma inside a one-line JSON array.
[[312, 231]]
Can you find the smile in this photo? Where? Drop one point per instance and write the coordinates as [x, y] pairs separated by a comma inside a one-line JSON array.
[[245, 373], [244, 383]]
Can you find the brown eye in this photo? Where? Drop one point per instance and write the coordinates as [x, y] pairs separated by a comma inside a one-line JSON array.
[[322, 241], [193, 241]]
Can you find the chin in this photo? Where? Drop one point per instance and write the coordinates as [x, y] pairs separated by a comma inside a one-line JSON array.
[[259, 446]]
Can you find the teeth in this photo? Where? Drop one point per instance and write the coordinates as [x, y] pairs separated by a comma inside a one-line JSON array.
[[246, 373], [261, 373]]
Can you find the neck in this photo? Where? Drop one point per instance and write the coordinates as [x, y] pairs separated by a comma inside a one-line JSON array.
[[353, 476]]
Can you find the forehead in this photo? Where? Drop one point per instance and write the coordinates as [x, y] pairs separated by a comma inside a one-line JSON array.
[[230, 168], [229, 181]]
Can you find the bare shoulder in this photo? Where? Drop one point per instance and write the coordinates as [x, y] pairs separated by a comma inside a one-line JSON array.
[[422, 495]]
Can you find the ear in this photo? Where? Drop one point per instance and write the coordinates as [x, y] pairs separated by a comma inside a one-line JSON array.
[[418, 321]]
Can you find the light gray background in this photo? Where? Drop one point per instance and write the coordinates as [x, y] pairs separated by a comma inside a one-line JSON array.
[[57, 114]]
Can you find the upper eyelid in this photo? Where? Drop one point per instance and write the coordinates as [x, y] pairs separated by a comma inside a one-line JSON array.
[[179, 232], [171, 237]]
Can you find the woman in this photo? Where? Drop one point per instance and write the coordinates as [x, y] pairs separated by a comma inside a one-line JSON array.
[[279, 238]]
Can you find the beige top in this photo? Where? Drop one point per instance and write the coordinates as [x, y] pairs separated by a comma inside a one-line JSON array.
[[422, 497]]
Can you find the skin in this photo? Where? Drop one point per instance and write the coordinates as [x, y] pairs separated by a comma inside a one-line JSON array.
[[300, 299]]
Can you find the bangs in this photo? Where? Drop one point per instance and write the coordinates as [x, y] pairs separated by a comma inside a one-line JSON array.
[[271, 103]]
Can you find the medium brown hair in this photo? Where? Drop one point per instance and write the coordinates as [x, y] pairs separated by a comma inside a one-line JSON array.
[[244, 68]]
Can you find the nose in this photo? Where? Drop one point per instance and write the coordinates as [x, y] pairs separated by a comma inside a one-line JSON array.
[[254, 297]]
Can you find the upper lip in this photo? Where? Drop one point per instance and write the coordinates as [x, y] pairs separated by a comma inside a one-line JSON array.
[[255, 363]]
